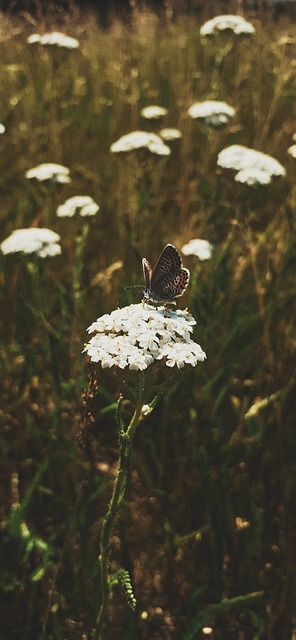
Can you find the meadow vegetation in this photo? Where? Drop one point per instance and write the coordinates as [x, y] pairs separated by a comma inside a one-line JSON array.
[[207, 529]]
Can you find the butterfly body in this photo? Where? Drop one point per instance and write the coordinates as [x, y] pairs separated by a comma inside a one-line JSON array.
[[168, 280]]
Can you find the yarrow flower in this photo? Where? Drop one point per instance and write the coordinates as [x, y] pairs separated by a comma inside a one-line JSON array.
[[207, 631], [137, 336], [82, 205], [292, 150], [40, 241], [252, 167], [129, 341], [170, 133], [213, 112], [202, 249], [140, 140], [153, 112], [55, 38], [2, 128], [237, 24], [49, 171]]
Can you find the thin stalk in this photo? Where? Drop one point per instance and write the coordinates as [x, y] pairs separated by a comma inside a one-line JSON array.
[[118, 494], [78, 261], [36, 269], [260, 298]]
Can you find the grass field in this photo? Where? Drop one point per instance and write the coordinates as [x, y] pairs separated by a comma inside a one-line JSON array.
[[207, 528]]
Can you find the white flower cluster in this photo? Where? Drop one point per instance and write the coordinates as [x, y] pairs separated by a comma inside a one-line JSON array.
[[2, 128], [253, 167], [202, 249], [55, 38], [292, 151], [136, 336], [82, 205], [153, 112], [170, 133], [49, 171], [43, 242], [213, 112], [140, 140], [237, 24]]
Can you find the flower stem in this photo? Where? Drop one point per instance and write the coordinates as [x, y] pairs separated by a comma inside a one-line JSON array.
[[119, 490], [78, 262]]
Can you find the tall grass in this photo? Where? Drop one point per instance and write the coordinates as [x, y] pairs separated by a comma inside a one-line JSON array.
[[207, 531]]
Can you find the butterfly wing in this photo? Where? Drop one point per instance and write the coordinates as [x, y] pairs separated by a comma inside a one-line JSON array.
[[168, 262], [171, 285], [147, 271]]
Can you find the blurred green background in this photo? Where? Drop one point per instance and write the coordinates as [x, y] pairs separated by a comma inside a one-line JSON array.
[[210, 516]]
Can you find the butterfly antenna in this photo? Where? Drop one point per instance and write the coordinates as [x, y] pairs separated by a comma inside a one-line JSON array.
[[134, 286]]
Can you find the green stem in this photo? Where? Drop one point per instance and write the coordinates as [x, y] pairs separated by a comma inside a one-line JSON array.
[[78, 262], [118, 494], [36, 271]]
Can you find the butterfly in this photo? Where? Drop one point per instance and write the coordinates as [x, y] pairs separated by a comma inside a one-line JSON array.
[[168, 280]]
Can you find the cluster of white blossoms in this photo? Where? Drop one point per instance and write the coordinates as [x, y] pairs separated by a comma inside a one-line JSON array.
[[39, 241], [292, 149], [49, 171], [55, 38], [234, 23], [139, 335], [170, 133], [202, 249], [140, 140], [213, 112], [153, 112], [252, 167], [2, 128], [82, 205]]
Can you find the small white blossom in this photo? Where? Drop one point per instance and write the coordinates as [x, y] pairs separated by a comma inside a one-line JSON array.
[[146, 410], [202, 249], [170, 133], [292, 150], [136, 336], [2, 128], [49, 171], [82, 205], [237, 24], [252, 167], [153, 112], [55, 38], [213, 112], [140, 140], [43, 242]]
